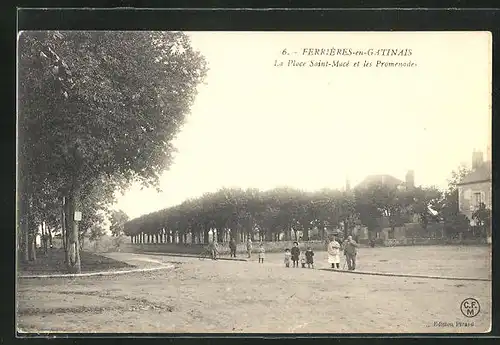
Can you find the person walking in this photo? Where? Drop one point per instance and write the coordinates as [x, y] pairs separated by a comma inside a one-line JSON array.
[[249, 248], [334, 253], [350, 250], [232, 248]]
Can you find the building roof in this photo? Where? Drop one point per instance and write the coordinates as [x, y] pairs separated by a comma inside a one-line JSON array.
[[379, 179], [480, 174]]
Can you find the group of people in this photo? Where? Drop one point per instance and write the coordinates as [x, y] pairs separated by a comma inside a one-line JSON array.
[[232, 249], [349, 247], [294, 255]]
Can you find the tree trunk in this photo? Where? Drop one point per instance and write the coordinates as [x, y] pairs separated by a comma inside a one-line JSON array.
[[32, 238], [236, 234], [25, 229], [43, 239], [74, 265], [32, 248], [305, 233], [82, 242], [64, 227], [267, 235], [50, 236]]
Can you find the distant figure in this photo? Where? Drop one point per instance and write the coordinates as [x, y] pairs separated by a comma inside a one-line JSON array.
[[350, 251], [288, 255], [309, 257], [213, 250], [295, 254], [334, 253], [262, 252], [232, 248], [249, 248]]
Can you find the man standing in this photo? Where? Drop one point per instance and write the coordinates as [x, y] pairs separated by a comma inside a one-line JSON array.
[[249, 248], [232, 248], [350, 251]]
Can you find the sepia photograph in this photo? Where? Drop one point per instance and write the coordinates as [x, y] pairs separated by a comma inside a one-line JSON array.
[[253, 182]]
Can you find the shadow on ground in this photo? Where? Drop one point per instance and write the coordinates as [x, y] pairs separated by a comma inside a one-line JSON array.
[[53, 263]]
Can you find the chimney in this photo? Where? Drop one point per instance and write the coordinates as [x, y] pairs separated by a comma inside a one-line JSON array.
[[410, 179], [347, 185], [477, 159]]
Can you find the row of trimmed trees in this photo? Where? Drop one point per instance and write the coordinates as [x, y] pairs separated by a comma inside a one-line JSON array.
[[97, 111], [282, 212]]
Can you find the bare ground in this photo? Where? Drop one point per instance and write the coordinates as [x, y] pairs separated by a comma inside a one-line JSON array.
[[232, 296]]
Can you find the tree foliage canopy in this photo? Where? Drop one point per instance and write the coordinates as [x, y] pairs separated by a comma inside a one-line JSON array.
[[99, 109], [284, 210]]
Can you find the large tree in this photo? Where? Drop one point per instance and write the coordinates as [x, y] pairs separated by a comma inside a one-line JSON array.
[[118, 219], [448, 207], [100, 105], [482, 218]]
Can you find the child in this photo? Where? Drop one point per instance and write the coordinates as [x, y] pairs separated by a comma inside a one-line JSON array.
[[303, 262], [261, 253], [309, 257], [288, 255], [295, 254]]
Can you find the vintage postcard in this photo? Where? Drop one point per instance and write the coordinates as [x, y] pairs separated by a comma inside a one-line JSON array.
[[254, 182]]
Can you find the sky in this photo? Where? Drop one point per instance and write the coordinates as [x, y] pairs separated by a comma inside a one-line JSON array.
[[254, 124]]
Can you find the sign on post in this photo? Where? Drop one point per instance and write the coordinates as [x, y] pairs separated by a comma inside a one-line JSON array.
[[78, 216]]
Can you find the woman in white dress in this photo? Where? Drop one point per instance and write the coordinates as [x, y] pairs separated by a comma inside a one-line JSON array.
[[334, 253]]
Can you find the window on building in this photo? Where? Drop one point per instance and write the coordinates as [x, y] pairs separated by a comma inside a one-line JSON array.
[[477, 199]]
